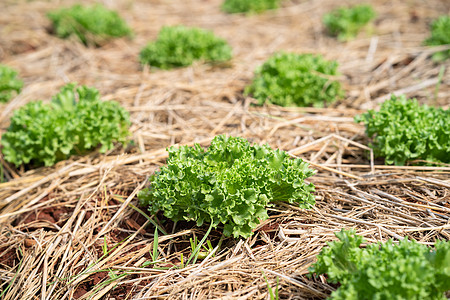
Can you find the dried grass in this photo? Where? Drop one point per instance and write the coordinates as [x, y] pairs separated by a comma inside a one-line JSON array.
[[55, 221]]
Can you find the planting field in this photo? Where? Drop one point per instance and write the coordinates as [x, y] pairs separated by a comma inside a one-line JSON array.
[[76, 230]]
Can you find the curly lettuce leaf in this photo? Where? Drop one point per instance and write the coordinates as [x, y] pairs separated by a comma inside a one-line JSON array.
[[404, 130], [75, 122], [440, 35], [10, 85], [92, 25], [249, 6], [231, 183], [180, 46], [345, 23], [290, 79], [407, 270]]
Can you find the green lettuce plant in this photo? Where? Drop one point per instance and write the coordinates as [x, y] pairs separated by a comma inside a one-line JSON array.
[[249, 6], [75, 122], [345, 23], [92, 25], [231, 183], [404, 130], [440, 35], [407, 270], [10, 85], [290, 79], [179, 46]]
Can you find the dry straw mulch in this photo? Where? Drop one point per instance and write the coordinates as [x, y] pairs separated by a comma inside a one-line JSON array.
[[56, 223]]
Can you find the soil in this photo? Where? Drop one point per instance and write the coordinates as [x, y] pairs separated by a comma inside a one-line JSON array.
[[91, 283], [9, 257], [45, 217]]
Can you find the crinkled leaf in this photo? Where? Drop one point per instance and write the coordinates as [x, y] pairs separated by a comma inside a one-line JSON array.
[[10, 85], [92, 25], [407, 270], [232, 183], [345, 23], [249, 6], [440, 35], [403, 130], [75, 122], [179, 46], [290, 79]]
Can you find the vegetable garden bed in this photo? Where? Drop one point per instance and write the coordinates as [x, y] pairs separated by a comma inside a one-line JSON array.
[[75, 230]]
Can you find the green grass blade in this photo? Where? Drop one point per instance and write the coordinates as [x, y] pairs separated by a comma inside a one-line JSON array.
[[13, 279], [193, 257], [118, 198], [155, 246]]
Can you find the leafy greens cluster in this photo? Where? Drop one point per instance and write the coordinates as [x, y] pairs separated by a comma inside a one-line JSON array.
[[249, 6], [92, 25], [404, 130], [290, 79], [180, 46], [345, 23], [9, 83], [42, 133], [408, 270], [232, 182], [440, 35]]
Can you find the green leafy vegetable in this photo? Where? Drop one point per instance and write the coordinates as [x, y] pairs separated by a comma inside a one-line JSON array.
[[408, 270], [9, 83], [440, 35], [232, 182], [403, 130], [46, 133], [179, 46], [345, 23], [290, 79], [92, 25], [249, 6]]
